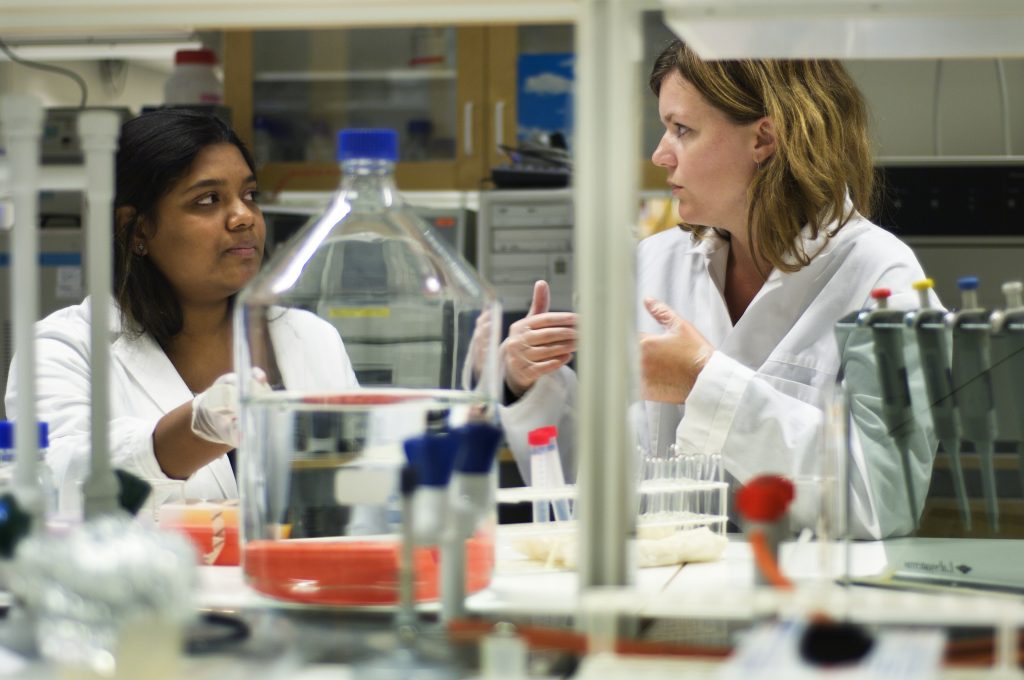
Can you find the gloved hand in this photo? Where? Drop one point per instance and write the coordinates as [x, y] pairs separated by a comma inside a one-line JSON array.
[[671, 361], [539, 343], [215, 410]]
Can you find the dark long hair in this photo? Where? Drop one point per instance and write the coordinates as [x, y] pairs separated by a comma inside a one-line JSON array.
[[156, 150]]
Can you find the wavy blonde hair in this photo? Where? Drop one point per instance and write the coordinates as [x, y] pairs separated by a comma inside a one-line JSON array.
[[822, 150]]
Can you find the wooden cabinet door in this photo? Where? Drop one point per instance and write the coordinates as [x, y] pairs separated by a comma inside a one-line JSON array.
[[291, 91]]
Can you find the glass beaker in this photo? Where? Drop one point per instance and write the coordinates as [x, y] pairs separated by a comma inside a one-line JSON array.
[[365, 324]]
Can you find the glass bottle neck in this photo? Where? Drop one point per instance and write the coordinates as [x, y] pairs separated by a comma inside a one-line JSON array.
[[370, 179]]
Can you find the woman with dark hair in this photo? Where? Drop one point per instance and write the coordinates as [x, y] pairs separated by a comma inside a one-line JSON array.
[[188, 236], [770, 163]]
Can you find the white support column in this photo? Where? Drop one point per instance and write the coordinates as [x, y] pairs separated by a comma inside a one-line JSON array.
[[606, 150], [22, 117], [98, 131]]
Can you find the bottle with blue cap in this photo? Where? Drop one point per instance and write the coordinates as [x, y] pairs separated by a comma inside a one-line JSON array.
[[418, 354], [6, 444], [7, 463]]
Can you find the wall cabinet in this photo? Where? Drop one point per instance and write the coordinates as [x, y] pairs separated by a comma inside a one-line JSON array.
[[448, 92], [451, 94]]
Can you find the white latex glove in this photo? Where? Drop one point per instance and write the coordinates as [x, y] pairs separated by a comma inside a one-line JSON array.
[[539, 343], [215, 410]]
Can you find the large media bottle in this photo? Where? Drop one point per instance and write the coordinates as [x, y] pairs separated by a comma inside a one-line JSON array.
[[364, 326]]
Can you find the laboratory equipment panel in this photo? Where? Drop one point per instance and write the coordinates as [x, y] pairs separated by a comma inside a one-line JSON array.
[[525, 236]]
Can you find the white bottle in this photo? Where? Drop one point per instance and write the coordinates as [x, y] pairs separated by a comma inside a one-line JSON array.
[[194, 80]]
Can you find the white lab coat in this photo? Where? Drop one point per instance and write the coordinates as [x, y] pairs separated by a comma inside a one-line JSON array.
[[760, 401], [144, 386]]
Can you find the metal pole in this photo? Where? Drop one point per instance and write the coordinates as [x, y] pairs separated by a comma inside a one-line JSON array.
[[606, 153], [98, 131], [22, 117]]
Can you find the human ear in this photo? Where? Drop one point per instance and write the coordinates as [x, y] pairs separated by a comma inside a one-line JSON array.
[[127, 220], [764, 139]]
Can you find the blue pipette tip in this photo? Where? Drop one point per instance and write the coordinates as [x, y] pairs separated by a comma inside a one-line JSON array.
[[967, 283], [479, 447]]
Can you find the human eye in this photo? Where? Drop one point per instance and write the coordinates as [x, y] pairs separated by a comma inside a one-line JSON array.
[[252, 194], [680, 129], [207, 199]]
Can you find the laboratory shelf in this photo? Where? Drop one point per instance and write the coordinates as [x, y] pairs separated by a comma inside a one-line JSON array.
[[394, 75]]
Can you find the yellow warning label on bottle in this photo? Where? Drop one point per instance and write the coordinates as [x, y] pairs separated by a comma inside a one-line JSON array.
[[358, 312]]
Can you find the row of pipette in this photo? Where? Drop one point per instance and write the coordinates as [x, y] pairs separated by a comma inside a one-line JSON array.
[[960, 354]]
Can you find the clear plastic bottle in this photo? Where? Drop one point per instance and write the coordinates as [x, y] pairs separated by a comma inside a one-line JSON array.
[[194, 80], [322, 452]]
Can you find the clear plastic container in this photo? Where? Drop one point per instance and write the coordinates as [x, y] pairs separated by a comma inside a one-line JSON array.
[[322, 449], [194, 79]]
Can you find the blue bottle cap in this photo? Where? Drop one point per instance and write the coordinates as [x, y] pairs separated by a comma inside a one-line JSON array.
[[479, 446], [7, 435], [419, 126], [967, 283], [433, 456], [369, 143]]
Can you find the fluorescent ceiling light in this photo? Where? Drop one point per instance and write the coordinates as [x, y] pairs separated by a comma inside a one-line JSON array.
[[848, 29], [156, 47]]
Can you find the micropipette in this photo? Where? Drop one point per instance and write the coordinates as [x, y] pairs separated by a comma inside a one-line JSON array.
[[972, 385], [887, 332], [1008, 355], [929, 326]]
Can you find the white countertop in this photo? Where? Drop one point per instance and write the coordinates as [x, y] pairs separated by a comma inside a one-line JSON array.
[[523, 587]]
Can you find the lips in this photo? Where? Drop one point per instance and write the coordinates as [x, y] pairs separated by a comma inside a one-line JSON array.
[[243, 248]]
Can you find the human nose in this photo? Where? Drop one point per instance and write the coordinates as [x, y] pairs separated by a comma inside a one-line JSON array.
[[242, 214], [661, 156]]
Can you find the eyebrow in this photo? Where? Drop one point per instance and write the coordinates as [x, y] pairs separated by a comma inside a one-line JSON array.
[[204, 183]]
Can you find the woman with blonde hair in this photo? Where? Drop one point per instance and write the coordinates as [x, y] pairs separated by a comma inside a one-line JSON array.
[[770, 163]]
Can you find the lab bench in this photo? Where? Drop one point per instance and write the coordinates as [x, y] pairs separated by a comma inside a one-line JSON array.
[[700, 604]]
